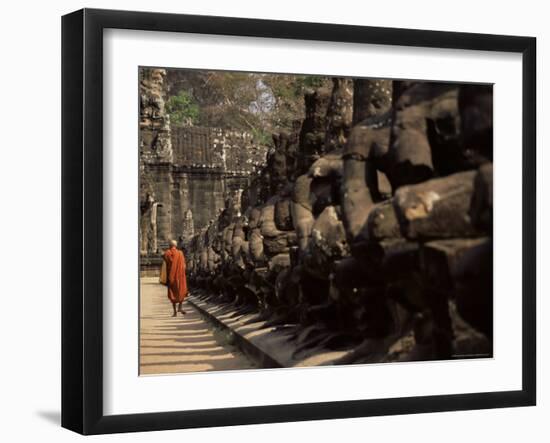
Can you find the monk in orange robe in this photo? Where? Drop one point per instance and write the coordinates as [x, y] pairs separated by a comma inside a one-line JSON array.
[[175, 273]]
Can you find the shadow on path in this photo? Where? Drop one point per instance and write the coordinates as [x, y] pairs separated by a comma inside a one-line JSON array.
[[190, 343]]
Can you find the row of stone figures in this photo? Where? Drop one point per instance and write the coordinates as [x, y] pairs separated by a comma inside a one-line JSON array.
[[372, 222]]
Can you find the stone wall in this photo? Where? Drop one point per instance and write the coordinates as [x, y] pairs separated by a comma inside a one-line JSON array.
[[186, 173], [370, 226], [231, 152], [155, 153]]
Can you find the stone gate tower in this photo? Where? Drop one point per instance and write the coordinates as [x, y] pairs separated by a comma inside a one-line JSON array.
[[186, 173]]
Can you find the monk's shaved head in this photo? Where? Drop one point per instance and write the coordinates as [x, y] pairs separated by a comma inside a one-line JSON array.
[[173, 243]]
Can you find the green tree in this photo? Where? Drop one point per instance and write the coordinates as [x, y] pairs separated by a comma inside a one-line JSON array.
[[254, 102], [182, 109], [288, 97]]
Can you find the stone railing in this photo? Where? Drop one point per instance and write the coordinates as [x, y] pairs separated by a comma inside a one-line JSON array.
[[372, 224]]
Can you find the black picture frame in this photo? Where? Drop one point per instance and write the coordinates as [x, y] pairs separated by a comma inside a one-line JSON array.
[[82, 219]]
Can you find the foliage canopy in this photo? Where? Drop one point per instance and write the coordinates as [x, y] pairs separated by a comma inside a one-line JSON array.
[[253, 102], [182, 109]]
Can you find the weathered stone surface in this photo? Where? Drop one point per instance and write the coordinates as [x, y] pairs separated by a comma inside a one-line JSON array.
[[154, 147], [256, 245], [329, 236], [349, 273], [339, 114], [212, 259], [328, 244], [301, 208], [325, 193], [283, 215], [459, 270], [330, 165], [279, 262], [350, 233], [416, 104], [475, 103], [473, 275], [267, 219], [225, 151], [384, 187], [371, 98], [254, 218], [437, 208], [238, 239], [276, 164], [279, 244], [382, 222], [185, 169], [154, 122], [468, 341], [312, 134], [198, 185], [442, 260], [481, 208], [389, 258], [228, 237], [360, 187]]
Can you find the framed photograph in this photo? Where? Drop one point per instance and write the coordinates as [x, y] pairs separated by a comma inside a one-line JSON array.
[[269, 221]]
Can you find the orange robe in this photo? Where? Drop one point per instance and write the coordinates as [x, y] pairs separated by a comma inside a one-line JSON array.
[[175, 271]]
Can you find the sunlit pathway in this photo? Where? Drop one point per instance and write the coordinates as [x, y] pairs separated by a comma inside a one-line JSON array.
[[185, 343]]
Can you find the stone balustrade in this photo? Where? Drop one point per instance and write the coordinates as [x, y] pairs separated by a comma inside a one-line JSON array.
[[371, 224]]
